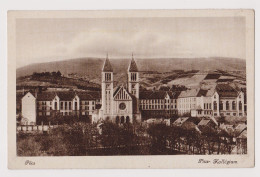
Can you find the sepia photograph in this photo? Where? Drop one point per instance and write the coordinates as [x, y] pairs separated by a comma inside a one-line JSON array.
[[107, 84]]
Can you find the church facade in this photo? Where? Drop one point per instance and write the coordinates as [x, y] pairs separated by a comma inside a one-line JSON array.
[[120, 105]]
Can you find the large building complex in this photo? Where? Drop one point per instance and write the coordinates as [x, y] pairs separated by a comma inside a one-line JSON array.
[[123, 104]]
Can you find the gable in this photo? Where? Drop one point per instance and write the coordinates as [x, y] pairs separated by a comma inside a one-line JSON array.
[[122, 94], [56, 98], [28, 96], [167, 96]]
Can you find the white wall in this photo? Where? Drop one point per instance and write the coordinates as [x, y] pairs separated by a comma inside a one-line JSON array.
[[29, 108]]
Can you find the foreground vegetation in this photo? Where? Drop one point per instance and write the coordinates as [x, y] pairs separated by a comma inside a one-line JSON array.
[[81, 138]]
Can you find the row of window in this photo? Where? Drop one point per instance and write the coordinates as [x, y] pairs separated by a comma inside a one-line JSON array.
[[87, 107], [227, 105], [187, 106], [43, 103], [205, 112], [62, 113], [88, 102], [187, 99], [158, 107], [230, 114], [159, 101], [44, 108], [207, 105]]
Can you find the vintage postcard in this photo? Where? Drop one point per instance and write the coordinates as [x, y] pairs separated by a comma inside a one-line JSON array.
[[131, 89]]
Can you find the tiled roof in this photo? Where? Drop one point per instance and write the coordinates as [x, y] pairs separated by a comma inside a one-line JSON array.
[[202, 93], [133, 66], [145, 94], [66, 96], [95, 95], [225, 90], [85, 96], [206, 92], [89, 95], [107, 66], [157, 94], [46, 96], [203, 122], [180, 121], [189, 93]]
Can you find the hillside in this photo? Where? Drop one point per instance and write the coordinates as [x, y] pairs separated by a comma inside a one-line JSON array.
[[90, 68]]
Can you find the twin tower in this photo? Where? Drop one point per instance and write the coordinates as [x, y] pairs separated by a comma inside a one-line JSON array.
[[120, 104]]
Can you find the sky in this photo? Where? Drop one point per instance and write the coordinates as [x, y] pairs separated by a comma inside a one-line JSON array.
[[46, 40]]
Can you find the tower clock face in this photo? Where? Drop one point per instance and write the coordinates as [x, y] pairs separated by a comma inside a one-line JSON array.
[[107, 86], [133, 86], [122, 106]]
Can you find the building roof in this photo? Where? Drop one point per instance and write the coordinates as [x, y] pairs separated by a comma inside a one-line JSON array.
[[46, 96], [204, 122], [225, 90], [157, 94], [66, 96], [107, 66], [95, 95], [116, 90], [243, 135], [206, 92], [19, 97], [89, 95], [202, 92], [133, 66], [180, 121], [189, 93]]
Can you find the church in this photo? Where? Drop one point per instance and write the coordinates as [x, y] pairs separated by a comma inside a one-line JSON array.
[[120, 105]]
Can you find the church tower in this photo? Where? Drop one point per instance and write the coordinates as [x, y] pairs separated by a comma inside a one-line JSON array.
[[107, 89], [133, 78]]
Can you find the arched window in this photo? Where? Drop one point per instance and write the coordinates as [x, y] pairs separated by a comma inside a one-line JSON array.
[[117, 119], [227, 105], [240, 105], [127, 119], [76, 105], [56, 105], [221, 105], [122, 120], [215, 105], [233, 105]]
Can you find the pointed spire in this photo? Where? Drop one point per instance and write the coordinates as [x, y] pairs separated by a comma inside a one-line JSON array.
[[133, 66], [107, 66]]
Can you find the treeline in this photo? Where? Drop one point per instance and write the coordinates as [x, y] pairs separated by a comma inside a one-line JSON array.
[[46, 74]]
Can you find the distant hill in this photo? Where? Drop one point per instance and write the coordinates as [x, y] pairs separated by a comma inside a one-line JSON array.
[[91, 67]]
